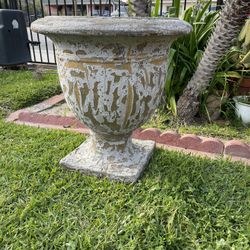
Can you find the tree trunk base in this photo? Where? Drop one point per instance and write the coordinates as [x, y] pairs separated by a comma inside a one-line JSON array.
[[187, 106]]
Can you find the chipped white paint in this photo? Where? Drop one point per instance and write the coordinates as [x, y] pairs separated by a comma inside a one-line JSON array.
[[113, 83], [112, 95]]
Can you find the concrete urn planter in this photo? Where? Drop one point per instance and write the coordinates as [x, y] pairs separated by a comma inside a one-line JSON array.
[[112, 72]]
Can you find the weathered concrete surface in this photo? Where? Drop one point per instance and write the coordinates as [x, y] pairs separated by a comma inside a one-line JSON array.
[[111, 26], [112, 73], [122, 166]]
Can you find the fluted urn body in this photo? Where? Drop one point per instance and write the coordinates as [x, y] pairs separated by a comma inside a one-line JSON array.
[[112, 72]]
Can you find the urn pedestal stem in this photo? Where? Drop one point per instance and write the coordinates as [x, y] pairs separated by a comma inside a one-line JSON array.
[[122, 160]]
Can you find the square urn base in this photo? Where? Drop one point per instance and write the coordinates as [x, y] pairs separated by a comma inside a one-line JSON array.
[[126, 166]]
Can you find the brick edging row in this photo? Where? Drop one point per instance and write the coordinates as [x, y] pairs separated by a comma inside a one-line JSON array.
[[31, 116], [194, 142], [233, 148]]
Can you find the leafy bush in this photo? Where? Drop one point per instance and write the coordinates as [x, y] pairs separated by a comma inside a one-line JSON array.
[[232, 68]]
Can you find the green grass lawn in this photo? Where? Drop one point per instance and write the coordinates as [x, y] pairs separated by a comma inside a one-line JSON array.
[[181, 202], [20, 89]]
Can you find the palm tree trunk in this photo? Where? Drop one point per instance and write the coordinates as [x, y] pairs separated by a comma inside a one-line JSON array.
[[140, 8], [232, 18]]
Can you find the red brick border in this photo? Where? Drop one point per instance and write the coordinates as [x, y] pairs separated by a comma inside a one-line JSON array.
[[234, 149], [170, 138], [237, 148], [66, 122]]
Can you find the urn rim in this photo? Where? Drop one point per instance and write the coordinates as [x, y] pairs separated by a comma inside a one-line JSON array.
[[111, 26]]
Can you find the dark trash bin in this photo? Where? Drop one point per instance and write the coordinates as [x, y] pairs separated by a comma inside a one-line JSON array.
[[14, 44]]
